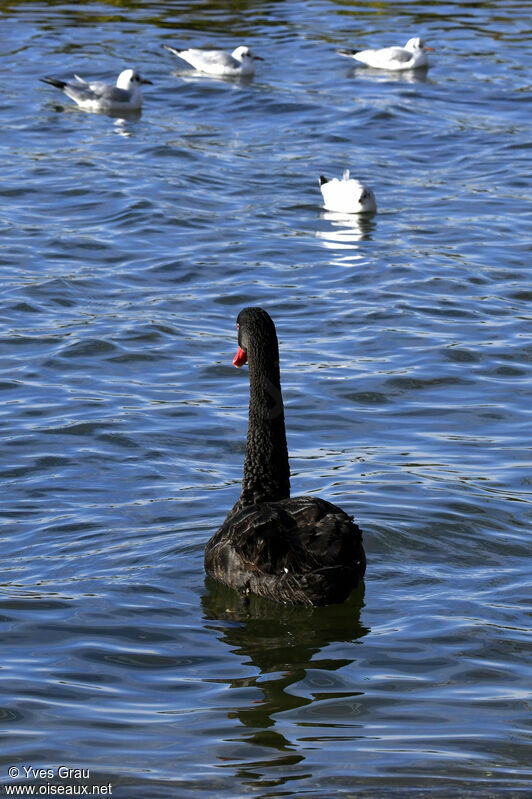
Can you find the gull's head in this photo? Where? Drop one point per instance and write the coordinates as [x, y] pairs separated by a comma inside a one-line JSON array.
[[362, 196], [415, 44], [244, 54], [366, 200], [130, 79]]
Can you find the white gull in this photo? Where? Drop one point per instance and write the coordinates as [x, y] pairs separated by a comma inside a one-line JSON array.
[[101, 97], [217, 62], [347, 196], [412, 56]]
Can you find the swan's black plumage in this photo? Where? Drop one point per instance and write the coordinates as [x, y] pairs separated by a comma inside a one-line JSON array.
[[299, 550]]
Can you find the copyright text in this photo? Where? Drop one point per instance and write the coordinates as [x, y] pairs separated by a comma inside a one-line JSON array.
[[63, 778]]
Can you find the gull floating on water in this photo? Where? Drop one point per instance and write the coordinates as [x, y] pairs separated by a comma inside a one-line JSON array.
[[412, 56], [102, 97], [217, 62], [347, 196]]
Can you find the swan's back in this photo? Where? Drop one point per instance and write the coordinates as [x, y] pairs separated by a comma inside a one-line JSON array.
[[300, 550]]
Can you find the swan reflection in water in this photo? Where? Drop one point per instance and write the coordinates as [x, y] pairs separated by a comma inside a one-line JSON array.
[[291, 651]]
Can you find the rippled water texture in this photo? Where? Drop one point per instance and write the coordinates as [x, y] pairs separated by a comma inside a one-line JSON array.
[[127, 248]]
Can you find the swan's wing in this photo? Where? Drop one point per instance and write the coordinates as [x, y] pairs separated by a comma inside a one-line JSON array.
[[302, 551]]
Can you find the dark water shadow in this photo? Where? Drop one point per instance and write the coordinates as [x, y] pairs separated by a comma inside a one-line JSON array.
[[283, 642]]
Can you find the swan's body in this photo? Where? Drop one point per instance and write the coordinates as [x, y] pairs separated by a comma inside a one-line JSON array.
[[299, 550], [412, 56], [217, 62], [347, 196], [100, 97]]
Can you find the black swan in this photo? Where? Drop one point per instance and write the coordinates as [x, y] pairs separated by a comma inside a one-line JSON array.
[[296, 550]]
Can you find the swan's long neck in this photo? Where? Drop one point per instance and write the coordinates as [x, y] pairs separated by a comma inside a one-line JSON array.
[[266, 470]]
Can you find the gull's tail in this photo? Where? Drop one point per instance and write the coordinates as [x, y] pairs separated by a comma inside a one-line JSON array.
[[172, 49]]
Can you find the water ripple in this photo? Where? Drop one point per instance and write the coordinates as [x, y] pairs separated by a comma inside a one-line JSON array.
[[127, 248]]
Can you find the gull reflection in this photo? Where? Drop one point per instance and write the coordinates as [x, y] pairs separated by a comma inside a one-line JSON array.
[[345, 233], [122, 125], [186, 76], [388, 76]]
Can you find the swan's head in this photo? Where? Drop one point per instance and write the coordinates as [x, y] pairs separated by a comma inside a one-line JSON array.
[[244, 54], [416, 44], [255, 327], [128, 79]]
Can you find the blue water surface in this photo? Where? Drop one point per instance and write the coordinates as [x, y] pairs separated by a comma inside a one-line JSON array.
[[127, 248]]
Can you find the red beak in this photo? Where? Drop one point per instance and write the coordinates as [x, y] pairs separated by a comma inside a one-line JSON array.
[[240, 358]]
